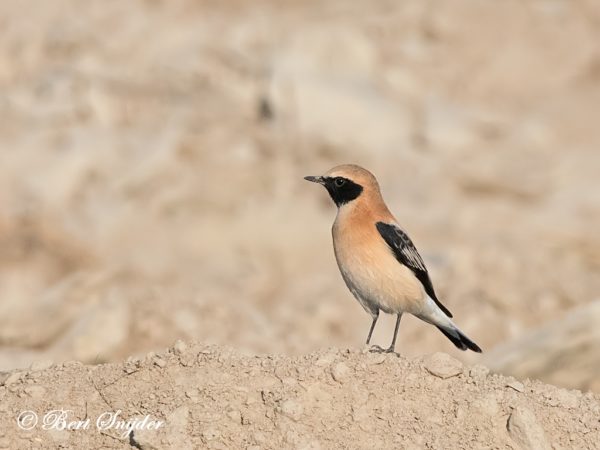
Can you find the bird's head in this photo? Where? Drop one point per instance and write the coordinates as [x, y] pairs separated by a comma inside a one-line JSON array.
[[346, 183]]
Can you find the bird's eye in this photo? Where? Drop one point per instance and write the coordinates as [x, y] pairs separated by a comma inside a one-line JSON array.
[[339, 181]]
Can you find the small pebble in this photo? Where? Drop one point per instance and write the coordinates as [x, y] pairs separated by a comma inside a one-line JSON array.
[[292, 409], [516, 385], [68, 364], [180, 347], [340, 372], [376, 358], [479, 373], [443, 366], [160, 362], [524, 428]]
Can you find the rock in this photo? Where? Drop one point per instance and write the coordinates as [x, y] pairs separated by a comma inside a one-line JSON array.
[[292, 409], [516, 385], [187, 359], [173, 431], [139, 439], [526, 431], [443, 366], [326, 359], [13, 378], [479, 373], [180, 347], [68, 364], [159, 362], [340, 372], [376, 358], [131, 365]]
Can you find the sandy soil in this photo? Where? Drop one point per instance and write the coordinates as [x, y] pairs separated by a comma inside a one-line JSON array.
[[153, 153], [151, 163], [212, 397]]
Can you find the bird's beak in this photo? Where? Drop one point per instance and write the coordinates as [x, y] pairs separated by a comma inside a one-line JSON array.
[[319, 180]]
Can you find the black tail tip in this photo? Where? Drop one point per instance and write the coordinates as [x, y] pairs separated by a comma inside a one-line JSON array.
[[469, 343], [473, 346], [461, 341]]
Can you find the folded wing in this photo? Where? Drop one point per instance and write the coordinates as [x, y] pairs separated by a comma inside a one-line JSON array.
[[406, 253]]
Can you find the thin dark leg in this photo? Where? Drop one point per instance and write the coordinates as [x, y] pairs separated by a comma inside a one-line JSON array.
[[393, 344], [375, 317]]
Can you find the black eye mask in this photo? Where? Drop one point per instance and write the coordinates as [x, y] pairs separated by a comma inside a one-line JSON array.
[[342, 190]]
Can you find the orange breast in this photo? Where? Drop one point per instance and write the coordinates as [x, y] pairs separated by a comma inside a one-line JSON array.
[[369, 267]]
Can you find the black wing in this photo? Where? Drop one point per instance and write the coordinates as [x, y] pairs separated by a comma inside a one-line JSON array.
[[406, 253]]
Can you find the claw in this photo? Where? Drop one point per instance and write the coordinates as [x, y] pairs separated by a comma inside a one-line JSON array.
[[376, 349]]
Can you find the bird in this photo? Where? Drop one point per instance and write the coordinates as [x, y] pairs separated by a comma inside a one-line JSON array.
[[378, 261]]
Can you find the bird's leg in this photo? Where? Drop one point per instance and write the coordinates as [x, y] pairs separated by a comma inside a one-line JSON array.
[[375, 317], [393, 344]]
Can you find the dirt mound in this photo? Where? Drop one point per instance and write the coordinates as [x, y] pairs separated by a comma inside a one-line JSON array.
[[198, 396], [151, 183]]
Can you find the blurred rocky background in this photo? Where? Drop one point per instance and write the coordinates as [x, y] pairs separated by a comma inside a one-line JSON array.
[[152, 155]]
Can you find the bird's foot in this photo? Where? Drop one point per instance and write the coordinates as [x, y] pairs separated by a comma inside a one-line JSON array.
[[390, 350], [376, 349]]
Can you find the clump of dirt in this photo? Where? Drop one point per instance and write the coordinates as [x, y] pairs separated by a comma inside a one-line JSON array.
[[199, 396]]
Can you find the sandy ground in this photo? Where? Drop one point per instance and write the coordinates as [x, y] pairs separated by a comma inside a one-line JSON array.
[[153, 153], [151, 163], [212, 397]]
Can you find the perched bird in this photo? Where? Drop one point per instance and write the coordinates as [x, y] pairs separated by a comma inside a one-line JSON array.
[[377, 259]]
